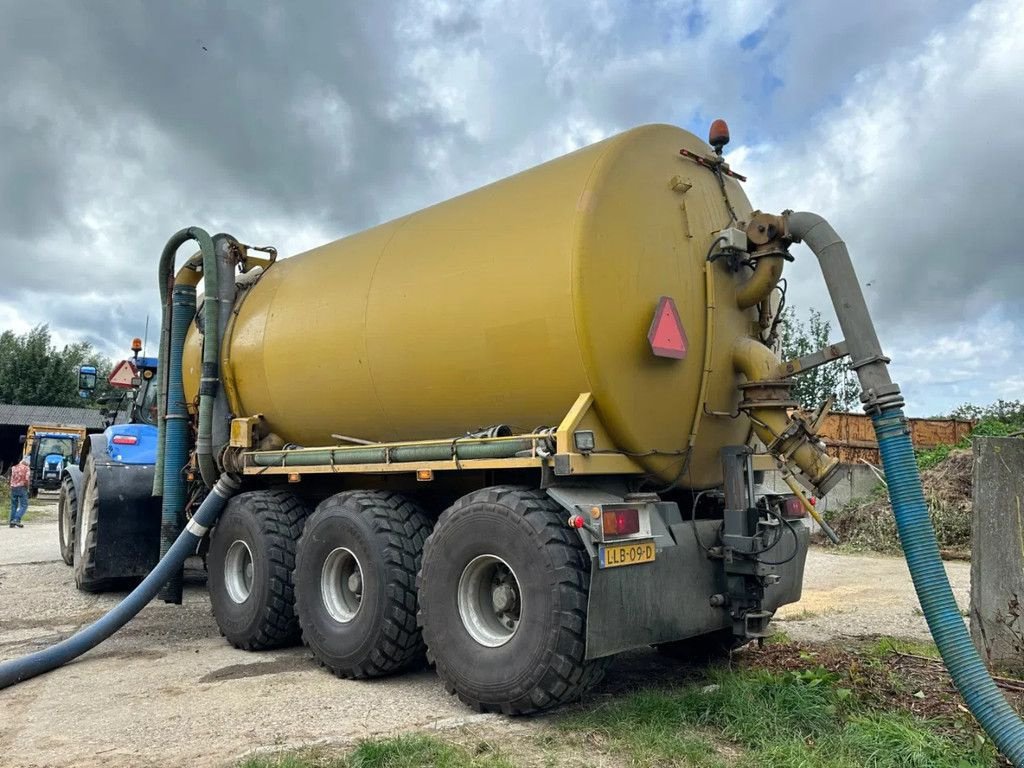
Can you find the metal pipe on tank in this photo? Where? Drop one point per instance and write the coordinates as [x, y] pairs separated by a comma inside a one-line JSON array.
[[761, 283], [226, 249], [883, 401], [767, 405]]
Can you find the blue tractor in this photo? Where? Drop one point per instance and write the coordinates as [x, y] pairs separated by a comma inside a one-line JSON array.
[[109, 520]]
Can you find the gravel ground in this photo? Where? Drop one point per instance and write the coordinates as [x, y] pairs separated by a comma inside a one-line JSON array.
[[848, 595], [167, 690]]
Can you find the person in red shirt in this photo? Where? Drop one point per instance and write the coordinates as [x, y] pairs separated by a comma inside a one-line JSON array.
[[19, 492]]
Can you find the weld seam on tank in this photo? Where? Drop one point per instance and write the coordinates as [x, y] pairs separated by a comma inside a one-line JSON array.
[[24, 668]]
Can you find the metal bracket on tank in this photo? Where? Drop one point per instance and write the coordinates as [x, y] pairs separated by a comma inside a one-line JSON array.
[[745, 537], [599, 455]]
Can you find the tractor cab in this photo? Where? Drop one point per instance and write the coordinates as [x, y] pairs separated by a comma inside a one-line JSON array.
[[51, 448]]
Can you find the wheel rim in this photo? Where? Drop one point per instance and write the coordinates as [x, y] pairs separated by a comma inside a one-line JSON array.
[[85, 515], [65, 520], [490, 600], [238, 569], [341, 585]]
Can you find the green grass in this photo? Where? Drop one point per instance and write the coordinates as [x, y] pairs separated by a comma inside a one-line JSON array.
[[926, 459], [296, 760], [419, 751], [987, 427], [734, 718], [886, 646], [787, 720], [410, 751]]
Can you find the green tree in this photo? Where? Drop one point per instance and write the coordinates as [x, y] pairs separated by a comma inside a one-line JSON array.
[[1010, 412], [812, 387], [35, 372]]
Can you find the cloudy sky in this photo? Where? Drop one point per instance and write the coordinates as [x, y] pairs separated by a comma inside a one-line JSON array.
[[293, 124]]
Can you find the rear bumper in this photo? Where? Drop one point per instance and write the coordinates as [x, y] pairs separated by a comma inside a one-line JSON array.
[[670, 598]]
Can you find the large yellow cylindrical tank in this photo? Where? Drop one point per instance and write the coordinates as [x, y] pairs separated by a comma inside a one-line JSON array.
[[502, 306]]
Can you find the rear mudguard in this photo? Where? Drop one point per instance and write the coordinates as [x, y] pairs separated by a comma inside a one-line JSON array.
[[128, 533]]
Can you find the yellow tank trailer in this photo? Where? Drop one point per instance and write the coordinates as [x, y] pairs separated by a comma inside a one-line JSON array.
[[508, 431], [511, 434]]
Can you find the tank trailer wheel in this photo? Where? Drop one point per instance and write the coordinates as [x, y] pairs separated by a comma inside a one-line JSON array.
[[249, 569], [702, 648], [503, 602], [67, 514], [85, 533], [355, 583]]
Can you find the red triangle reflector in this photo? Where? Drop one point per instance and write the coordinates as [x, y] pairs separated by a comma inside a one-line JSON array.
[[667, 337], [122, 375]]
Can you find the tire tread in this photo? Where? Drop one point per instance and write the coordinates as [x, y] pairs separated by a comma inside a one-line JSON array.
[[404, 527], [280, 516], [569, 674]]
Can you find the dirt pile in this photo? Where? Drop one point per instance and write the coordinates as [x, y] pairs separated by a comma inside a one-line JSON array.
[[869, 524]]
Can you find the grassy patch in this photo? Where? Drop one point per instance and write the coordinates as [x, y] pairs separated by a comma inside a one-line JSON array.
[[778, 638], [928, 458], [886, 646], [796, 718], [785, 705], [419, 751], [410, 751], [304, 759]]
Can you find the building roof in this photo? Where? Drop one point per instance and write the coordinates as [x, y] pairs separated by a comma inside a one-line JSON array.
[[23, 415]]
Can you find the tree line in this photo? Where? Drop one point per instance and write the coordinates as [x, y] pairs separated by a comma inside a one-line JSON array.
[[33, 371], [801, 337]]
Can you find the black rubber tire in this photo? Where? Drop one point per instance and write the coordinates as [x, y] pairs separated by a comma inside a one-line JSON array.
[[385, 532], [67, 518], [702, 648], [87, 519], [536, 669], [270, 523]]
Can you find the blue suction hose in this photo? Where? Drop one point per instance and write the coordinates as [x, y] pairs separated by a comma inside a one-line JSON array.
[[179, 302], [19, 670], [883, 401], [946, 624]]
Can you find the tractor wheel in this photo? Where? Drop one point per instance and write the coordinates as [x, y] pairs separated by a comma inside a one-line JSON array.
[[250, 564], [86, 531], [355, 583], [503, 602], [67, 513], [702, 648]]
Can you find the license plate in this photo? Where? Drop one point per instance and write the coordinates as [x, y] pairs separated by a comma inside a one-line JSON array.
[[630, 553]]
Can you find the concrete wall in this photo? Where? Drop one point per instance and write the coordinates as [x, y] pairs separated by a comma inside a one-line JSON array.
[[997, 556], [857, 481]]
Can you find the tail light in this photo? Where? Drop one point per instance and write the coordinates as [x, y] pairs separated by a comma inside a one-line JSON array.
[[124, 440], [792, 507], [620, 522]]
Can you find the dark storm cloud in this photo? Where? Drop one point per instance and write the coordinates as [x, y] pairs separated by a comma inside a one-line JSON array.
[[121, 122], [226, 84]]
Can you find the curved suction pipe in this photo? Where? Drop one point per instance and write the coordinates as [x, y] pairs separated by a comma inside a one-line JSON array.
[[18, 670], [766, 399], [883, 401], [761, 283]]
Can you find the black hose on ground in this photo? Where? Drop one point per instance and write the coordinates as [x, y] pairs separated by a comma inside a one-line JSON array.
[[18, 670]]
